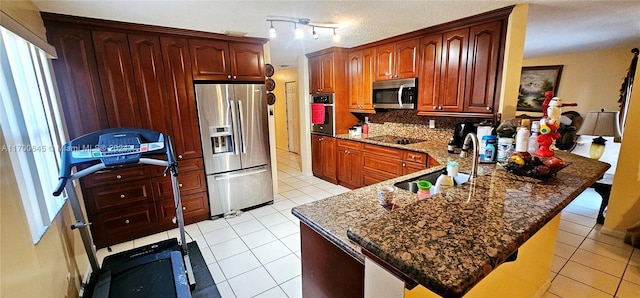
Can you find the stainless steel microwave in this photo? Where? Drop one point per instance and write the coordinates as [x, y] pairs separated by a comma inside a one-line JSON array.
[[395, 94]]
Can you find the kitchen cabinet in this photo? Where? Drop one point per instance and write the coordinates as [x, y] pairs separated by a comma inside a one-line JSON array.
[[184, 113], [114, 74], [361, 73], [381, 163], [397, 60], [82, 103], [483, 59], [226, 61], [323, 157], [459, 71], [321, 74], [349, 163]]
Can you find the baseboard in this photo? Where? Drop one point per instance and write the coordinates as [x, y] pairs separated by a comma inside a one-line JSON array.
[[613, 233], [307, 174], [544, 288]]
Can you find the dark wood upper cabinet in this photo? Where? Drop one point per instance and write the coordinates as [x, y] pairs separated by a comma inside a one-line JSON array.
[[429, 72], [247, 61], [148, 69], [116, 76], [482, 67], [210, 59], [226, 61], [361, 73], [82, 103], [453, 70], [177, 68], [397, 60], [321, 73]]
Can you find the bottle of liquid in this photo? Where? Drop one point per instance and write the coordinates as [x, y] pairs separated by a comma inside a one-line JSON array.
[[365, 126], [443, 183], [533, 139], [489, 149], [505, 146], [451, 147], [522, 137]]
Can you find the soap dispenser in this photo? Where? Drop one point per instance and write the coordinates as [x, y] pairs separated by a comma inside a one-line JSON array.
[[443, 183]]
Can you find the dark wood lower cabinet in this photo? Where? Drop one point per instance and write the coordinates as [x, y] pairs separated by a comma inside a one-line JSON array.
[[327, 271]]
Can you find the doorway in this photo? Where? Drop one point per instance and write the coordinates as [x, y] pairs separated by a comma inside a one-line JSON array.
[[293, 116]]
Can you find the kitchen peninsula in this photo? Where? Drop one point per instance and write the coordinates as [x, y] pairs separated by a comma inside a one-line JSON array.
[[447, 244]]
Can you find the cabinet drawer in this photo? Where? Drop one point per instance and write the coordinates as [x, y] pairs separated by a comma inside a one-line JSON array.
[[122, 225], [183, 166], [386, 151], [195, 207], [109, 177], [188, 182], [412, 167], [105, 198], [416, 157], [350, 144], [369, 178], [382, 164]]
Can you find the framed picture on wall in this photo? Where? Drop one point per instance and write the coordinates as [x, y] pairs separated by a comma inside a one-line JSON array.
[[534, 82]]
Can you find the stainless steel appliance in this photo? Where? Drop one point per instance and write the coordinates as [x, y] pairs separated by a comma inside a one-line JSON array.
[[235, 141], [325, 127], [395, 94]]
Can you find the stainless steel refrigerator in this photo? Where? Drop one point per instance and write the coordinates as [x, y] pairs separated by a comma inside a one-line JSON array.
[[235, 141]]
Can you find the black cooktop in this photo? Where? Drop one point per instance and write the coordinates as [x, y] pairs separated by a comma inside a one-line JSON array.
[[395, 140]]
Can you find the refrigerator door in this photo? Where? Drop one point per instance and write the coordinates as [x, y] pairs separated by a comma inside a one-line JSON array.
[[252, 121], [240, 189], [220, 139]]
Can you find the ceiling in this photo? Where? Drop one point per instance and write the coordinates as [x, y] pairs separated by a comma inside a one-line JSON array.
[[553, 27]]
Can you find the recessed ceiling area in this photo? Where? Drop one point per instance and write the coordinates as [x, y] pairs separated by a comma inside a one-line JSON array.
[[553, 27]]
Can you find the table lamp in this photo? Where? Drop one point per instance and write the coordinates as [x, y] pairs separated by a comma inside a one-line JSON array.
[[601, 124]]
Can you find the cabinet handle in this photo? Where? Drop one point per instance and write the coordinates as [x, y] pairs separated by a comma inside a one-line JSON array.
[[488, 108], [228, 76], [122, 196], [179, 184], [184, 208], [118, 177], [404, 164], [435, 107], [180, 156], [126, 221], [413, 157], [235, 77], [439, 107]]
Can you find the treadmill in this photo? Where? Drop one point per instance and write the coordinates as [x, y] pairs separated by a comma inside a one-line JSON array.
[[162, 269]]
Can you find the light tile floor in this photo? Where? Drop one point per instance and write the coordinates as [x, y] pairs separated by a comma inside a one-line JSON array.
[[257, 254]]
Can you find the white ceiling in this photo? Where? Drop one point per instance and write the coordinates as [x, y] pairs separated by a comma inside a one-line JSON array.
[[554, 27]]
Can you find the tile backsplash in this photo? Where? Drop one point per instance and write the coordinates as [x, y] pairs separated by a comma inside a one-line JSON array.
[[411, 117]]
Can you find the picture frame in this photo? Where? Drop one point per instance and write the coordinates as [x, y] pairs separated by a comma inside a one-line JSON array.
[[534, 82]]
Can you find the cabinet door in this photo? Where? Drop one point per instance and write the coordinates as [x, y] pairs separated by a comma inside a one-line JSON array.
[[247, 61], [316, 155], [384, 62], [452, 76], [429, 82], [146, 56], [355, 162], [329, 159], [327, 73], [411, 167], [355, 80], [117, 79], [314, 75], [482, 67], [78, 80], [210, 59], [368, 73], [343, 165], [406, 64], [184, 118]]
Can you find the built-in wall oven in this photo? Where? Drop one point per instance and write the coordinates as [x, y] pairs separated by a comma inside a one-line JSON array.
[[323, 119]]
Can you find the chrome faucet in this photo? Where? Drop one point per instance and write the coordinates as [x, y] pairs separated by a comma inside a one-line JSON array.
[[471, 137]]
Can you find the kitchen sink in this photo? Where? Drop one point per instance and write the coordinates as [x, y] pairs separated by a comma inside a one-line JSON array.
[[412, 184]]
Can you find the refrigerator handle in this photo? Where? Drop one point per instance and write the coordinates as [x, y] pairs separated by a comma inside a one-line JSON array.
[[244, 148], [230, 176], [236, 150]]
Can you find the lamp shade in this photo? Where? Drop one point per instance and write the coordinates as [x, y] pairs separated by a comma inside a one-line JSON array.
[[603, 123]]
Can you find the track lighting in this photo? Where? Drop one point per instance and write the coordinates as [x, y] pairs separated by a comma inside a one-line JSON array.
[[336, 37], [298, 30], [272, 31], [298, 33]]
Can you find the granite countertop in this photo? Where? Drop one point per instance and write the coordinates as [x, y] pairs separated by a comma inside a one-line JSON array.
[[449, 242]]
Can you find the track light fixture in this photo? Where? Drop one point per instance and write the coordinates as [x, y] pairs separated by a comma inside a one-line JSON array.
[[299, 23]]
